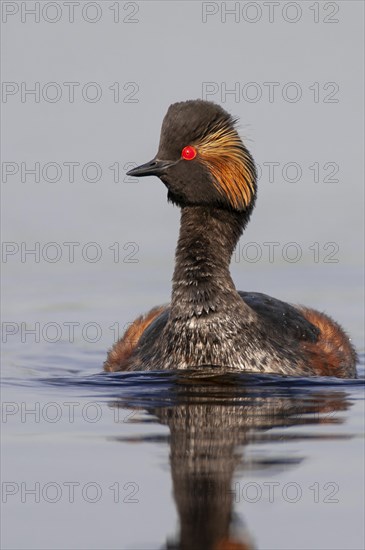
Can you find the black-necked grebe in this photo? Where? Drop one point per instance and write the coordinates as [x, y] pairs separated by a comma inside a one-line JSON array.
[[211, 176]]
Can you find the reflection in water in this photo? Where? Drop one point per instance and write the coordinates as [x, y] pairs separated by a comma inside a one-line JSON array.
[[210, 423]]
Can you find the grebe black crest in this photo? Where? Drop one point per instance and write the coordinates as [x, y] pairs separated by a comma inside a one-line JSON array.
[[211, 176]]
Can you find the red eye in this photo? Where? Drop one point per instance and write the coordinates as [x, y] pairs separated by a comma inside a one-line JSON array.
[[188, 153]]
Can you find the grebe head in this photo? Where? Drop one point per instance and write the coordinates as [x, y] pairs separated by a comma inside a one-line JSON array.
[[201, 158]]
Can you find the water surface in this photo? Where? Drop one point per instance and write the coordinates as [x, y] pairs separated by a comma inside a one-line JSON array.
[[162, 460]]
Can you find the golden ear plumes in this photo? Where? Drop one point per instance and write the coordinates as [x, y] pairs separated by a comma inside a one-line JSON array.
[[224, 154]]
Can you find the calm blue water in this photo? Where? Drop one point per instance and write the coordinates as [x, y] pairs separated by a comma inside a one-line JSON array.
[[94, 460]]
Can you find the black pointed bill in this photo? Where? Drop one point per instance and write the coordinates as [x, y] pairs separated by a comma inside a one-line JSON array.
[[153, 168]]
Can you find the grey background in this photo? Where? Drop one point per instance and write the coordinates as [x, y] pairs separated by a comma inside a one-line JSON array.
[[169, 53]]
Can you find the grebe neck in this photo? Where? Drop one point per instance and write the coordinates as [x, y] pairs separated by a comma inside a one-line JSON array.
[[202, 281]]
